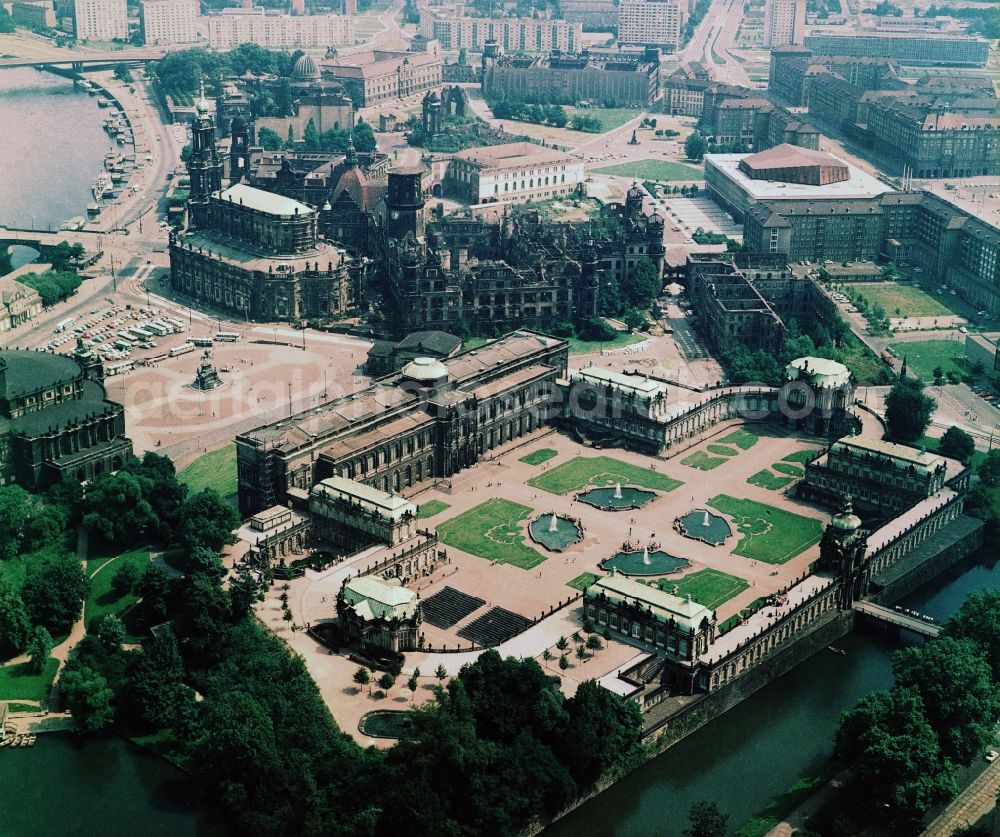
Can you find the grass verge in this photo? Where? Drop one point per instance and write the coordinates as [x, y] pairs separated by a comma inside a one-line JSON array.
[[537, 457], [21, 682]]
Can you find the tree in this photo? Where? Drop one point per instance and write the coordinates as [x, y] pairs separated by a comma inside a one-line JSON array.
[[412, 684], [633, 319], [440, 672], [39, 647], [957, 444], [153, 590], [463, 56], [894, 755], [53, 592], [989, 469], [154, 685], [243, 593], [594, 642], [563, 662], [581, 653], [269, 140], [207, 520], [596, 328], [641, 285], [87, 696], [364, 136], [705, 819], [123, 73], [111, 632], [961, 699], [695, 147], [547, 655], [908, 410], [978, 620], [126, 578], [362, 677], [15, 626], [562, 643], [386, 682], [15, 503], [116, 509]]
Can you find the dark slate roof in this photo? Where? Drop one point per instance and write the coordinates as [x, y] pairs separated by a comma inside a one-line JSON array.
[[381, 348], [31, 371], [60, 415], [434, 342]]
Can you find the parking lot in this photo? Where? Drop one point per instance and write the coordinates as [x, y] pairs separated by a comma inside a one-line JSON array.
[[688, 214]]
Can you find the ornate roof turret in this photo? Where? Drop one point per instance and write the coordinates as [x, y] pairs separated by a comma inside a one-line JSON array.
[[846, 521]]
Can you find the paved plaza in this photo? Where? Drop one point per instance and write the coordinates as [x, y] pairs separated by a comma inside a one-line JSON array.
[[488, 586]]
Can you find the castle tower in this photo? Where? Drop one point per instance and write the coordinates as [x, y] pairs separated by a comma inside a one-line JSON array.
[[633, 202], [205, 167], [404, 203], [431, 114], [654, 236], [239, 153], [842, 550], [90, 362], [588, 288]]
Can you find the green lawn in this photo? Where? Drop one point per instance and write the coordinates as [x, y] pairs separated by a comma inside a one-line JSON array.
[[623, 338], [216, 469], [788, 468], [610, 117], [652, 170], [582, 471], [723, 450], [537, 457], [802, 456], [431, 508], [470, 343], [708, 587], [923, 356], [769, 534], [101, 600], [743, 439], [702, 461], [582, 581], [765, 479], [19, 682], [900, 300], [492, 530]]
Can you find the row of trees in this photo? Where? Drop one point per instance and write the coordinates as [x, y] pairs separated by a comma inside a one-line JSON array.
[[53, 286], [335, 139], [180, 73], [903, 745]]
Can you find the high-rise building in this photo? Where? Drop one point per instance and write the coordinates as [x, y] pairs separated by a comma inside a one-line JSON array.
[[168, 21], [784, 22], [651, 22], [515, 34], [100, 20]]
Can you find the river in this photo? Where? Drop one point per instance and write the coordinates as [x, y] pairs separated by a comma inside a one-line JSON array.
[[53, 148], [761, 747]]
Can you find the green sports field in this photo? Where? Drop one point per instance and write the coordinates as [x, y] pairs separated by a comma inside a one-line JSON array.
[[492, 530], [769, 534], [583, 471], [708, 587]]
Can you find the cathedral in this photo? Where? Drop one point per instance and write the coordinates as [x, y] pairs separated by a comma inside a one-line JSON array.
[[256, 254]]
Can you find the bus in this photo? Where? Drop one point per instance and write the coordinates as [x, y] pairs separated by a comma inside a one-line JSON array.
[[227, 336], [122, 344], [158, 328], [203, 342], [142, 332], [119, 368], [62, 325], [181, 350], [174, 322]]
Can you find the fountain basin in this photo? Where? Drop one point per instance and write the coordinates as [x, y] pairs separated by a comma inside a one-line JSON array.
[[616, 498], [704, 525], [385, 723], [566, 533], [643, 562]]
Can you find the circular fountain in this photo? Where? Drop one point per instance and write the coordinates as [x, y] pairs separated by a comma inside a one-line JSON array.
[[617, 498], [644, 562], [703, 525], [555, 532]]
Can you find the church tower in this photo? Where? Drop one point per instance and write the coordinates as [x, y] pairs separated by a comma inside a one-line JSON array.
[[239, 150], [404, 203], [842, 550], [205, 167]]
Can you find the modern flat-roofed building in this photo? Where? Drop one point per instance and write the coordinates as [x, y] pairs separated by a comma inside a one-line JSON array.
[[784, 22], [738, 182], [100, 20], [269, 27], [168, 21], [515, 34], [937, 48], [514, 172], [656, 23]]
